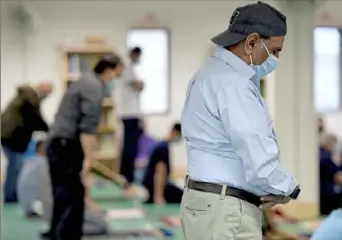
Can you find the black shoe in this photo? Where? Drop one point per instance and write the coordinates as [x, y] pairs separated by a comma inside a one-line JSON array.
[[32, 215], [45, 236]]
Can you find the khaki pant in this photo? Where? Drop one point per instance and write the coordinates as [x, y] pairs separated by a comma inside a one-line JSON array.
[[208, 216]]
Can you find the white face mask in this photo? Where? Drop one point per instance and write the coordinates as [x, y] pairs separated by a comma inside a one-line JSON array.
[[110, 85], [270, 64]]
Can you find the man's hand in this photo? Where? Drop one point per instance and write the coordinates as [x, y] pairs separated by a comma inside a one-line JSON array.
[[270, 201], [336, 157], [91, 204]]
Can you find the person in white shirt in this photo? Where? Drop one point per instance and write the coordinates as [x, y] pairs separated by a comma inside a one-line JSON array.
[[128, 111]]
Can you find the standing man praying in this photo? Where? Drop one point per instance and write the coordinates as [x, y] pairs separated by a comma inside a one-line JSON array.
[[233, 156], [70, 147], [129, 111]]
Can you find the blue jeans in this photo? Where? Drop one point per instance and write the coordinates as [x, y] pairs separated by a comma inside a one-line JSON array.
[[15, 161]]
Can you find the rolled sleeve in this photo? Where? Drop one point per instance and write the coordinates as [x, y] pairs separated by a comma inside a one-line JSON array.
[[91, 99], [246, 122]]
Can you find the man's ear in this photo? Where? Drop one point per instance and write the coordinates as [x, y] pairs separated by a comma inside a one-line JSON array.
[[251, 43]]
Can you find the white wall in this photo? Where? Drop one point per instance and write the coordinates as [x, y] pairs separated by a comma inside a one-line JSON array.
[[12, 55]]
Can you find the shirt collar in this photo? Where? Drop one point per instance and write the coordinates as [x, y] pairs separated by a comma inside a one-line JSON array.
[[256, 81], [234, 61]]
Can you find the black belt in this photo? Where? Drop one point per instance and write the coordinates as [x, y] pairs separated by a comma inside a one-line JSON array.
[[217, 189]]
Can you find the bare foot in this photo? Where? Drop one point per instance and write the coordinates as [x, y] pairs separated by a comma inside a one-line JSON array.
[[129, 193]]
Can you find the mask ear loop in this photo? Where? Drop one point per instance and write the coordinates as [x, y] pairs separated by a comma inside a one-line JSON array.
[[268, 52], [250, 57]]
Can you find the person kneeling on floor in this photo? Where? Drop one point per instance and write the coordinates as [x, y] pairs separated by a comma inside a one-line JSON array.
[[156, 179], [35, 194]]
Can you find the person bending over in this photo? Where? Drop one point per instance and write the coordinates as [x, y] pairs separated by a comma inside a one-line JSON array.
[[70, 149], [19, 120], [156, 179]]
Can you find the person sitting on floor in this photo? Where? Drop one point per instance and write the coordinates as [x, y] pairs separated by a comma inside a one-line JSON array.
[[145, 146], [330, 228], [156, 179], [35, 194], [30, 178], [330, 176]]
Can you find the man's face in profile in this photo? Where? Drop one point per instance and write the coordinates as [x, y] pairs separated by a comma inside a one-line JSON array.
[[254, 47]]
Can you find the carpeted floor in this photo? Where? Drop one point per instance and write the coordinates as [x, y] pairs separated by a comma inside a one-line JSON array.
[[17, 227]]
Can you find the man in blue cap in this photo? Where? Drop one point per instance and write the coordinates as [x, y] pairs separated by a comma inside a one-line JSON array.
[[234, 167]]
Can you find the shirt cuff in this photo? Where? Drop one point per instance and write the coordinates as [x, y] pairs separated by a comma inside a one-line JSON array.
[[293, 185]]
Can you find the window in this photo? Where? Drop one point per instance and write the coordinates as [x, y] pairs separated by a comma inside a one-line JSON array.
[[153, 68], [327, 51]]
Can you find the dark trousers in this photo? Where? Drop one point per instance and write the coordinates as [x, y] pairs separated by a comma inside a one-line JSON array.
[[65, 162], [172, 194], [132, 133], [330, 203]]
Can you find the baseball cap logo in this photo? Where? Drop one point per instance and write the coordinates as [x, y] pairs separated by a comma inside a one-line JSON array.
[[234, 16]]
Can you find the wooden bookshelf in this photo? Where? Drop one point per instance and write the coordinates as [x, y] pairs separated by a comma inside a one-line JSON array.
[[80, 59]]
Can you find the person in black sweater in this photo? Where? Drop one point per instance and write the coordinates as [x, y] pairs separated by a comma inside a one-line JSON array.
[[156, 179], [20, 119], [330, 177]]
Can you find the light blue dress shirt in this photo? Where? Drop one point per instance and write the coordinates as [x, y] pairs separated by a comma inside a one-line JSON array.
[[331, 228], [227, 129]]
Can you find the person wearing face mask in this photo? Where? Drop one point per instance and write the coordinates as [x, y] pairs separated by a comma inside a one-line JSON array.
[[20, 119], [70, 145], [234, 168], [156, 180]]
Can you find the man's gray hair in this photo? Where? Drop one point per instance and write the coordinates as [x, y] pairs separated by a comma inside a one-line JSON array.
[[327, 138]]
